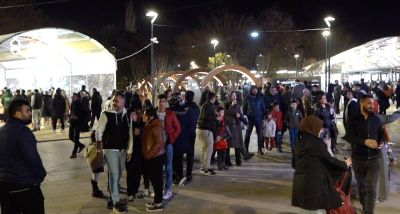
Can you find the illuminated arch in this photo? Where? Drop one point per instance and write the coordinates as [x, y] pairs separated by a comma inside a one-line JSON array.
[[193, 72], [237, 68]]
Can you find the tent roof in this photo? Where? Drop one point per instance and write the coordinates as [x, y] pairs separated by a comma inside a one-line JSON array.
[[376, 55], [55, 46]]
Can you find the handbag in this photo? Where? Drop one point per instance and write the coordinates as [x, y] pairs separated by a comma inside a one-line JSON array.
[[347, 206]]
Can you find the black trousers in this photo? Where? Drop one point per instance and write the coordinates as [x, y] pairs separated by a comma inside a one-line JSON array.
[[21, 199], [134, 170], [94, 116], [221, 157], [154, 168], [74, 135], [177, 164], [238, 156], [367, 173], [54, 122], [260, 141]]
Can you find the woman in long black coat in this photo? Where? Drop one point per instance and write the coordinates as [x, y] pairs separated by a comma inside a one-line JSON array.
[[313, 188]]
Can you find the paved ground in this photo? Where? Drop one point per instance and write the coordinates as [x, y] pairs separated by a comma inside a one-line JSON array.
[[261, 185]]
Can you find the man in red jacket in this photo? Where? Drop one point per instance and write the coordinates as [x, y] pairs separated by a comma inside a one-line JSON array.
[[173, 130]]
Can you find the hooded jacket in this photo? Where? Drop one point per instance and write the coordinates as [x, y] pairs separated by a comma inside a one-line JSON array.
[[254, 106], [114, 130], [153, 141]]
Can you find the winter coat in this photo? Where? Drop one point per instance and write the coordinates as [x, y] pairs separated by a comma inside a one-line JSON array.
[[254, 107], [277, 116], [269, 128], [313, 187], [235, 125], [172, 126], [95, 105], [188, 121], [19, 159], [47, 106], [207, 119], [293, 118], [58, 106], [269, 100], [360, 129], [153, 144], [325, 115]]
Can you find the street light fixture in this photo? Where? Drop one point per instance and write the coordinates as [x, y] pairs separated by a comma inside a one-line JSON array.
[[215, 43], [153, 40], [328, 44], [329, 19], [254, 34]]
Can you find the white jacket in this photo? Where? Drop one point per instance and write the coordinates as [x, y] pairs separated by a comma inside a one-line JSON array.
[[269, 128]]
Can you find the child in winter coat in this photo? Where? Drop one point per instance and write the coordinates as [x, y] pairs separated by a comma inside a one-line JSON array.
[[269, 128], [277, 116], [221, 144], [292, 119]]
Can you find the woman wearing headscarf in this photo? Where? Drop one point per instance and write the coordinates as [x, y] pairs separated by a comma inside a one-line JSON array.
[[313, 188]]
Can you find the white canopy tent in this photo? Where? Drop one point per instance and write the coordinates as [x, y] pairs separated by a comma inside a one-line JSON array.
[[375, 60], [54, 57]]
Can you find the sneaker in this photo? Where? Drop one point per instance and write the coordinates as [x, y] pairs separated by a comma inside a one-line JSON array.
[[167, 195], [131, 198], [147, 192], [72, 156], [209, 172], [220, 168], [182, 181], [150, 204], [202, 171], [119, 208], [139, 195], [54, 131], [189, 178], [155, 208], [225, 167], [260, 152], [62, 131]]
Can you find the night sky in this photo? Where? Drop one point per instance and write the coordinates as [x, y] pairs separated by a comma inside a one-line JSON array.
[[364, 20]]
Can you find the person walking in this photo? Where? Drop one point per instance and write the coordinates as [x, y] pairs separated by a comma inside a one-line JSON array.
[[154, 153], [76, 118], [58, 110], [254, 108], [366, 136], [115, 133], [337, 93], [46, 111], [207, 127], [21, 168], [313, 188], [95, 106], [36, 104]]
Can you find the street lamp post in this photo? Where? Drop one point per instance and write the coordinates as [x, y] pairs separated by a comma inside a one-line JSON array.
[[326, 35], [215, 42], [154, 17], [328, 42], [296, 56]]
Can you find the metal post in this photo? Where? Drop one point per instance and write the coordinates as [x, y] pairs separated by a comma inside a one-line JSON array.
[[297, 72], [329, 47], [152, 67], [326, 64]]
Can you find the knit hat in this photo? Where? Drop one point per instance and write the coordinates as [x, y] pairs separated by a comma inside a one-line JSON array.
[[311, 125]]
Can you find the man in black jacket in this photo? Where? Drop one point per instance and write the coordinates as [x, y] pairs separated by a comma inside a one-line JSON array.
[[76, 120], [254, 108], [58, 110], [36, 104], [365, 133], [21, 169], [95, 106], [207, 128]]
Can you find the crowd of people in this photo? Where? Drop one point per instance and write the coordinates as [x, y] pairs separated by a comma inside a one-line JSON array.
[[154, 140]]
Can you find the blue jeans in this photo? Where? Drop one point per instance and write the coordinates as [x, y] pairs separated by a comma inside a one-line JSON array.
[[115, 161], [278, 139], [293, 132], [168, 168]]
